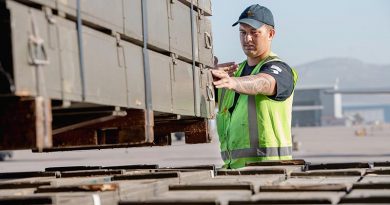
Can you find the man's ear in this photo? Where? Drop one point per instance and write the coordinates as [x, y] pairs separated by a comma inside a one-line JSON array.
[[271, 34]]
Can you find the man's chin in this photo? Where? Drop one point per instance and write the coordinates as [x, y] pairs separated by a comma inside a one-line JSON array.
[[251, 54]]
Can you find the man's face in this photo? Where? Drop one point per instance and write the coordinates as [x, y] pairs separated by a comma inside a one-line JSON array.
[[255, 42]]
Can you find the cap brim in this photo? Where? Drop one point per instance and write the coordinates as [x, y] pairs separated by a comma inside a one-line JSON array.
[[251, 22]]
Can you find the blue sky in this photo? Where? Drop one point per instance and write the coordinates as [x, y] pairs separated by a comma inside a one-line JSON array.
[[309, 30]]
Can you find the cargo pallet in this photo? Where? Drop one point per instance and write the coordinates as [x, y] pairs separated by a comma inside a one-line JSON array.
[[84, 75], [274, 182]]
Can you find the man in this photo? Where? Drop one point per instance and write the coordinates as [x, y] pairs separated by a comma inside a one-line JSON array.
[[255, 97]]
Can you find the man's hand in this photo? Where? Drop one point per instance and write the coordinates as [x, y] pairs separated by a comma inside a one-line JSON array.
[[229, 68], [223, 79]]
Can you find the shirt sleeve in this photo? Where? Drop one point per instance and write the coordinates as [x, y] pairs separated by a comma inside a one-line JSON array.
[[283, 76]]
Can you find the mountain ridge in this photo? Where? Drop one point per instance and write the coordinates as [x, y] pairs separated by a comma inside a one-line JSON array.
[[351, 74]]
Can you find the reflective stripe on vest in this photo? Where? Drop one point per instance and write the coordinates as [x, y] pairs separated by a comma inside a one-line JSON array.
[[223, 91]]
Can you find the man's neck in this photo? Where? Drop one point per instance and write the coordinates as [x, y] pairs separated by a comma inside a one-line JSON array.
[[258, 59]]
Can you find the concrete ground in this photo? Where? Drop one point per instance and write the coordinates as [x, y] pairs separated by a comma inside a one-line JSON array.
[[344, 144], [316, 145]]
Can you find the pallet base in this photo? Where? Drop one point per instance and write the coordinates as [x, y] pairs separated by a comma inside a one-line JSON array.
[[33, 124]]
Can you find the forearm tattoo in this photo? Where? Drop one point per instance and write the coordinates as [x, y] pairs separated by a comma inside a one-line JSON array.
[[253, 85]]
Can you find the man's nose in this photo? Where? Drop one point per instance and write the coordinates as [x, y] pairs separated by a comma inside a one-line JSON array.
[[248, 37]]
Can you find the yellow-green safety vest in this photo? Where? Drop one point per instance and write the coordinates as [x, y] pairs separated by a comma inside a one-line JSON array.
[[258, 129]]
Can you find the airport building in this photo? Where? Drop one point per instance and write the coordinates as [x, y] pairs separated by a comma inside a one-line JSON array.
[[321, 106], [317, 106]]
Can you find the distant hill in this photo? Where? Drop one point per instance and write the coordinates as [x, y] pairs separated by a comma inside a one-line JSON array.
[[351, 74]]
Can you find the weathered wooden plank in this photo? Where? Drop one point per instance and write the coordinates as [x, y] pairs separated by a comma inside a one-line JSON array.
[[190, 177], [350, 165], [195, 167], [361, 203], [93, 147], [90, 173], [379, 171], [256, 181], [78, 188], [21, 185], [375, 179], [184, 175], [18, 200], [80, 180], [56, 181], [16, 192], [382, 164], [130, 129], [221, 196], [295, 162], [144, 189], [196, 130], [293, 198], [288, 169], [72, 168], [84, 198], [133, 166], [367, 196], [137, 176], [25, 123], [16, 175], [305, 187], [213, 186], [372, 185], [174, 170], [140, 189], [250, 171], [347, 180], [340, 172], [174, 201]]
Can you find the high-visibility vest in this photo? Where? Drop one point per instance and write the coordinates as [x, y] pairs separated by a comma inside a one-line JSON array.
[[258, 129]]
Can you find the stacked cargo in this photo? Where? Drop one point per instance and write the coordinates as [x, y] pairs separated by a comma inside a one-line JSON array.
[[282, 182], [112, 73]]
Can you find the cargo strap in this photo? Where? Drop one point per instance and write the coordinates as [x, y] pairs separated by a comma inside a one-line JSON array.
[[194, 73], [81, 50], [149, 136], [39, 58]]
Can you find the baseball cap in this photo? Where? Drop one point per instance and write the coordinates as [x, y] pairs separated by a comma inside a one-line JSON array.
[[255, 16]]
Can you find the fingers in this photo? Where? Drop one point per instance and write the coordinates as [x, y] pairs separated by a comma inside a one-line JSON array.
[[230, 68], [225, 64], [220, 82], [223, 83], [222, 79], [219, 73]]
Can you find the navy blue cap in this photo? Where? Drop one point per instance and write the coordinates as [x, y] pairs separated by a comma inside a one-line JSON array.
[[255, 16]]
